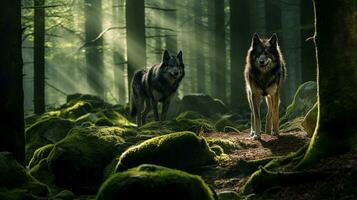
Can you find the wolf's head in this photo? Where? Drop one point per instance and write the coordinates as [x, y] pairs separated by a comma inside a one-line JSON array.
[[172, 67], [264, 53]]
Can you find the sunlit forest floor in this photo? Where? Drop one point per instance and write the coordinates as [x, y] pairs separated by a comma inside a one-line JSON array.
[[74, 150]]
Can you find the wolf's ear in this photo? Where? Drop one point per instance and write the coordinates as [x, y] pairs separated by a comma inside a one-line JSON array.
[[273, 40], [179, 57], [255, 40], [165, 57]]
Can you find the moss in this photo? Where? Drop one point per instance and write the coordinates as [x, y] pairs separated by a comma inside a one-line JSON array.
[[76, 109], [217, 150], [115, 118], [203, 104], [229, 123], [95, 101], [104, 121], [304, 99], [182, 150], [189, 115], [40, 154], [154, 182], [227, 145], [309, 122], [228, 195], [47, 130], [42, 173], [14, 176]]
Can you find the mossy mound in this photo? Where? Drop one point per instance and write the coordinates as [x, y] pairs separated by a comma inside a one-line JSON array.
[[39, 154], [95, 101], [182, 150], [227, 145], [228, 195], [75, 109], [15, 182], [189, 115], [309, 122], [228, 123], [304, 99], [203, 104], [154, 182], [47, 130], [78, 160]]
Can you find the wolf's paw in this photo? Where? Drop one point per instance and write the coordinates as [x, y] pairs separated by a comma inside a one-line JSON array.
[[256, 137], [252, 133]]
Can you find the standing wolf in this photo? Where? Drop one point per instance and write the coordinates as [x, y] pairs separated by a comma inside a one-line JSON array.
[[156, 84], [264, 74]]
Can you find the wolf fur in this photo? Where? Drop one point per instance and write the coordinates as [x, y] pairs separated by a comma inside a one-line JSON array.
[[264, 74], [155, 84]]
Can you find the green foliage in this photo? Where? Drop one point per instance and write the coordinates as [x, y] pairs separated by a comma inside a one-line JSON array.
[[154, 182], [226, 145], [182, 150], [15, 181]]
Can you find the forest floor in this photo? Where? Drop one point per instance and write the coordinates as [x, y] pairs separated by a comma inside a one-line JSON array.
[[226, 176]]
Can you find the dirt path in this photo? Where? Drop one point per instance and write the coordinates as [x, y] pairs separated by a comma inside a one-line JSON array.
[[222, 177]]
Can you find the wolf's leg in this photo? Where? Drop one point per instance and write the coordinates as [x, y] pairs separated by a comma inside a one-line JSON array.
[[275, 103], [139, 102], [146, 111], [256, 99], [268, 120], [252, 123], [154, 108], [165, 108]]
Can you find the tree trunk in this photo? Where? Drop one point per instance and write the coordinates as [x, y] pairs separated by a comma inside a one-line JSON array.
[[291, 47], [220, 67], [337, 79], [240, 42], [94, 45], [135, 34], [12, 123], [211, 48], [39, 57], [171, 22], [199, 52]]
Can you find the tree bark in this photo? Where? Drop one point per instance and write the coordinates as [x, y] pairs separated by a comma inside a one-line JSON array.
[[220, 67], [135, 33], [94, 46], [39, 57], [171, 22], [12, 123], [337, 79], [240, 42], [198, 47]]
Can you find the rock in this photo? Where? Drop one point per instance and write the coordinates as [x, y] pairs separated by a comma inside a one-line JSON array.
[[47, 130], [15, 182], [203, 104], [304, 99], [182, 150], [39, 154], [78, 160], [309, 122], [95, 101], [228, 123], [228, 195], [154, 182]]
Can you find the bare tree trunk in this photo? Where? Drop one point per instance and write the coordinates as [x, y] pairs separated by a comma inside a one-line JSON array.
[[135, 33], [94, 46], [200, 63], [171, 22], [12, 123], [240, 42], [39, 57]]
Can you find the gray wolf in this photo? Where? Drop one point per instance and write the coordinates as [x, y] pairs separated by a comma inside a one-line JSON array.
[[264, 74], [155, 84]]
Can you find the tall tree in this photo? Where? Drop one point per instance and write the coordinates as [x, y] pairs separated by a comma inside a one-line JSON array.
[[291, 46], [39, 57], [94, 45], [135, 34], [198, 44], [210, 40], [240, 41], [337, 79], [219, 69], [171, 23], [12, 137]]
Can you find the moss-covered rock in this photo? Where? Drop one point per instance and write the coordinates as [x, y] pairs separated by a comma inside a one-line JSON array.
[[47, 130], [39, 154], [76, 109], [227, 123], [228, 195], [42, 172], [203, 104], [78, 160], [218, 150], [182, 150], [304, 99], [227, 145], [309, 122], [154, 182], [15, 179], [95, 101], [189, 115]]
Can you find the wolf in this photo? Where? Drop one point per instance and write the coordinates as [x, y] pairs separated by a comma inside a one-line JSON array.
[[155, 84], [264, 74]]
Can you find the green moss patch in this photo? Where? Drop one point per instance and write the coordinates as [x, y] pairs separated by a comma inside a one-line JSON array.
[[154, 182], [182, 150], [227, 145]]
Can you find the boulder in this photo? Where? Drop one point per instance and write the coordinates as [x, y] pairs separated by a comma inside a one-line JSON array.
[[154, 182], [202, 104], [309, 122]]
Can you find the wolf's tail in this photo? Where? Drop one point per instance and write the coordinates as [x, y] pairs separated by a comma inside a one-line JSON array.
[[133, 108]]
